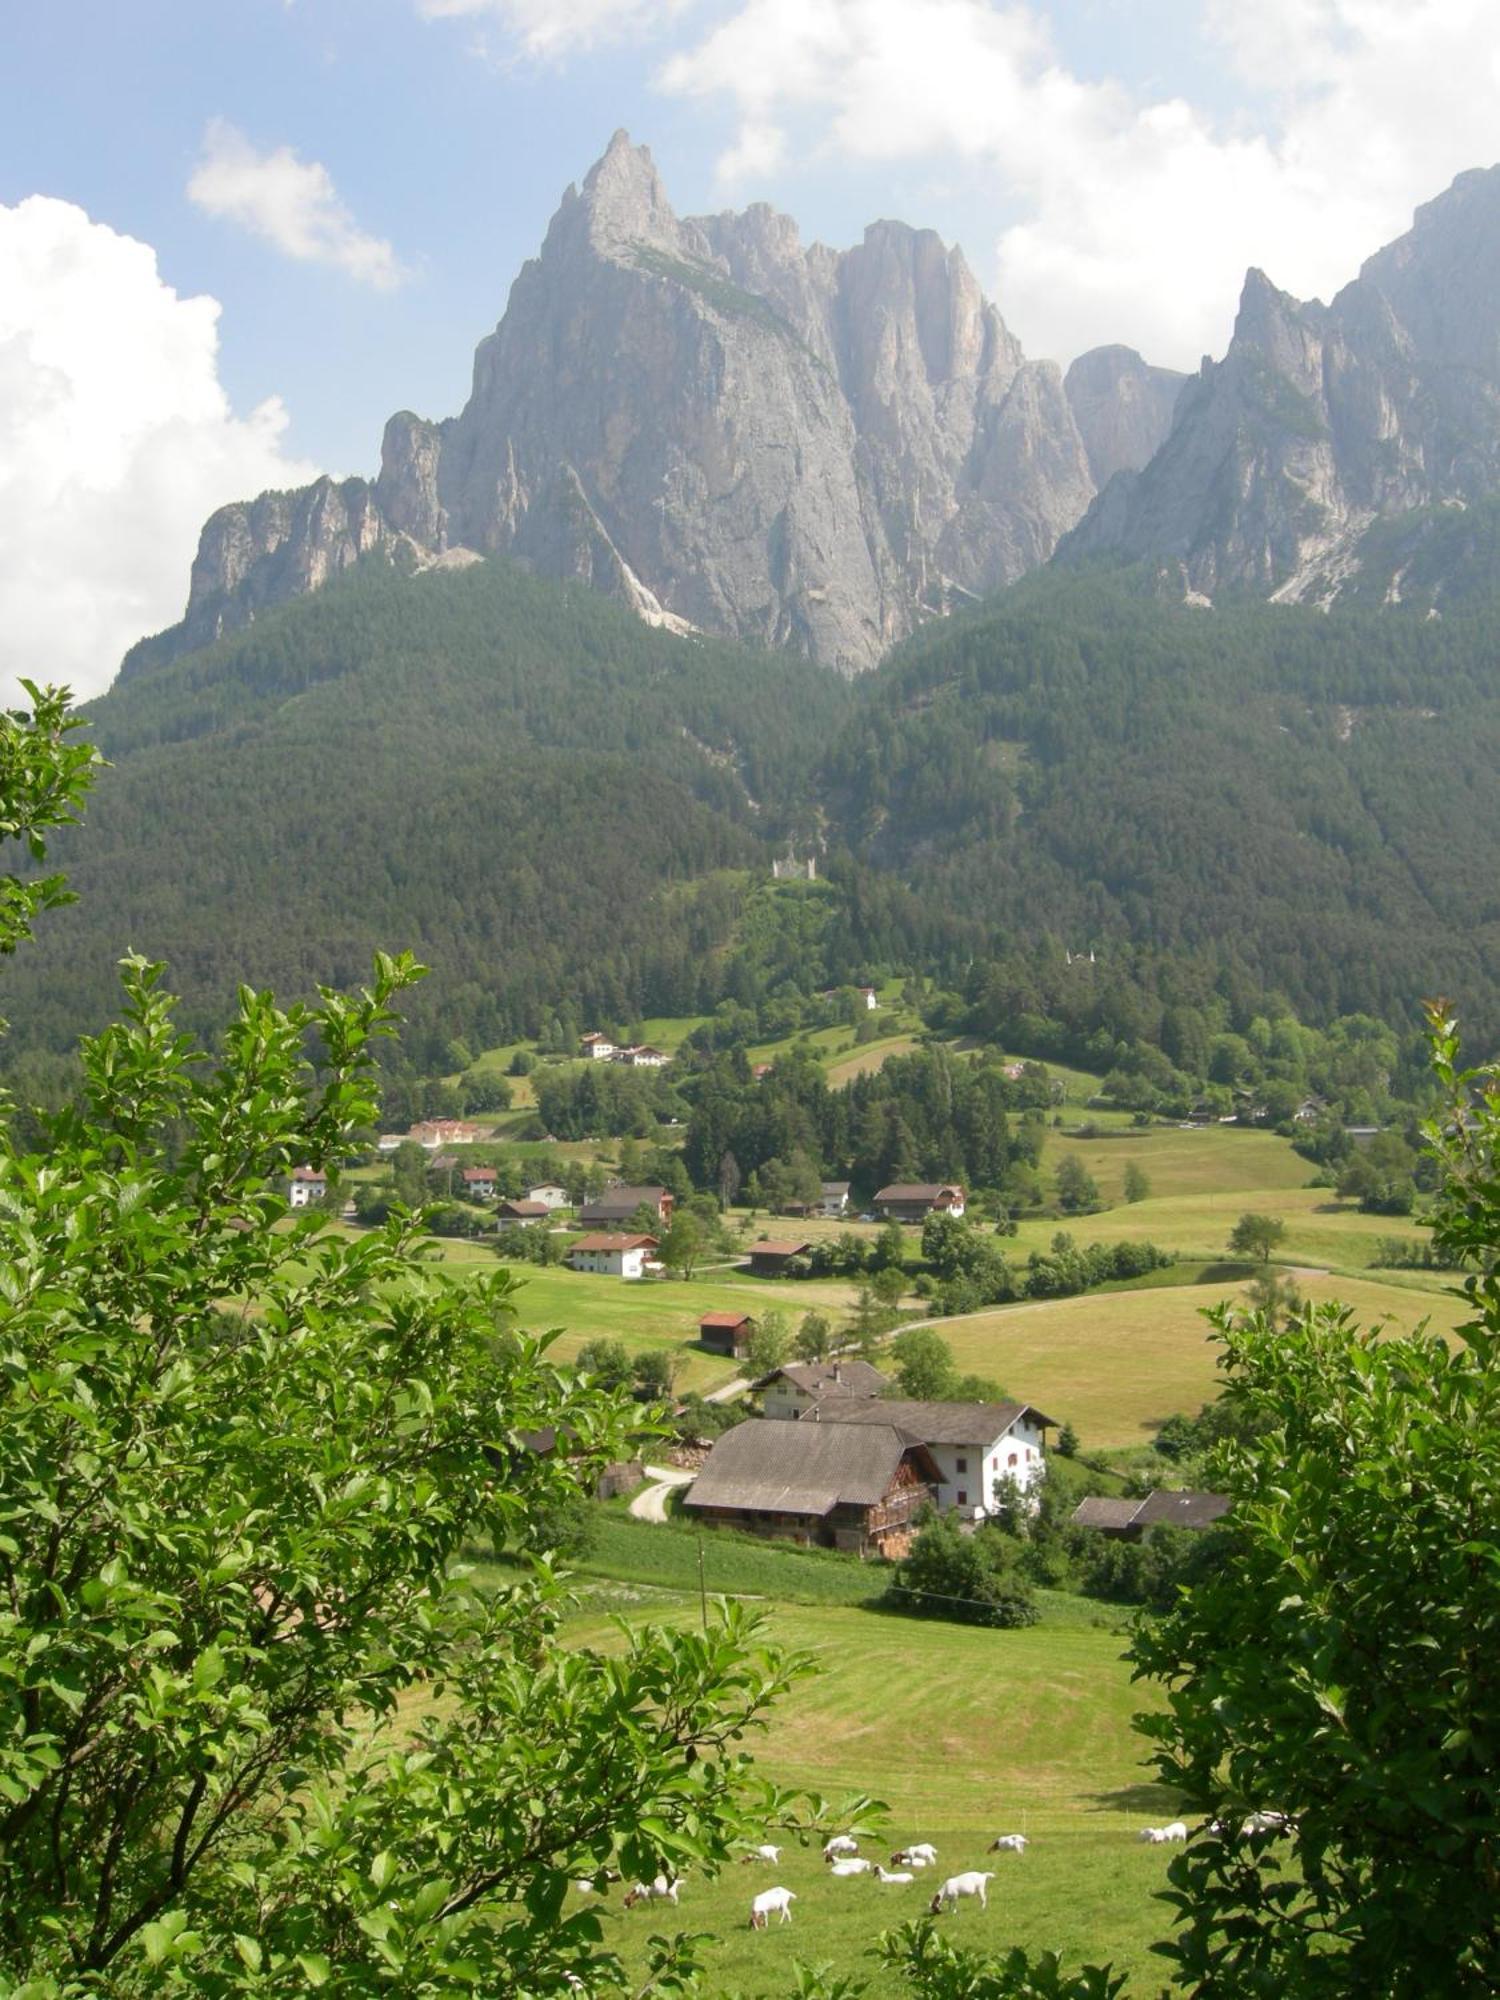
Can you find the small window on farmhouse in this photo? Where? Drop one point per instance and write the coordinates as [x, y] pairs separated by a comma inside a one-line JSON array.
[[1012, 1459], [963, 1497], [962, 1464]]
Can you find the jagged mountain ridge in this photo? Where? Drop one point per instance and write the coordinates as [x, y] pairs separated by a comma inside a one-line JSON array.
[[725, 430], [1324, 421]]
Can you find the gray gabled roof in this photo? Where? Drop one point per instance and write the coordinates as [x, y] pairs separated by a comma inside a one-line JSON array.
[[1182, 1510], [781, 1468], [832, 1378], [934, 1423], [1098, 1511]]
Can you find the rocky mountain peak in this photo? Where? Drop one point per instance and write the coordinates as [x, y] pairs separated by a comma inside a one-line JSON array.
[[622, 200], [724, 427], [1323, 420]]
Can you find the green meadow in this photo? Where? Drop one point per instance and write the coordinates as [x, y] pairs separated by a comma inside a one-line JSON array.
[[964, 1734]]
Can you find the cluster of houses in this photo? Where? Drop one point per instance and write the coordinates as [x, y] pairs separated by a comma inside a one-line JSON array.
[[635, 1055], [837, 1463]]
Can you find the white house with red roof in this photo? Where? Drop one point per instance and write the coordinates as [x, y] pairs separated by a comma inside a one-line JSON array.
[[307, 1185]]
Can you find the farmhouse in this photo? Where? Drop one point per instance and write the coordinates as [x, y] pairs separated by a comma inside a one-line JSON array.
[[308, 1184], [596, 1046], [617, 1204], [612, 1256], [435, 1132], [479, 1183], [726, 1333], [914, 1201], [549, 1194], [856, 1490], [974, 1445], [642, 1056], [769, 1259], [791, 1391], [521, 1214], [832, 1202], [1131, 1520]]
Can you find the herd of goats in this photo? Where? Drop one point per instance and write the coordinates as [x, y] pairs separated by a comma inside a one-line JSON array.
[[843, 1857]]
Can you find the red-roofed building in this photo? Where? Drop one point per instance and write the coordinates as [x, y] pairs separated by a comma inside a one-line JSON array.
[[769, 1259], [611, 1256], [479, 1183], [308, 1184], [726, 1333]]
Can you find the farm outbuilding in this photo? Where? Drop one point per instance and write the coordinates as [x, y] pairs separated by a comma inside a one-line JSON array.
[[726, 1333], [857, 1489]]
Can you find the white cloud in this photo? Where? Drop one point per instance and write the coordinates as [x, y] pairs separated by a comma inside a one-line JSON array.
[[116, 442], [548, 29], [1133, 220], [290, 203]]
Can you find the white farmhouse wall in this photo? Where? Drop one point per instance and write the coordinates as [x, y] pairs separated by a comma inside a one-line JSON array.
[[785, 1399]]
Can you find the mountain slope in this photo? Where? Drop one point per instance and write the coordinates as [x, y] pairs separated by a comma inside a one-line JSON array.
[[725, 429], [1321, 421], [1310, 797], [517, 780]]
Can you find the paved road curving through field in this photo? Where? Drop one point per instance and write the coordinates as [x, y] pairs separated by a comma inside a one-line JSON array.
[[650, 1504]]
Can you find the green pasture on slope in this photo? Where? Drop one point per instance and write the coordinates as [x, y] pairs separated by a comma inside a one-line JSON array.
[[1114, 1364], [965, 1734], [1185, 1160], [1320, 1229], [649, 1315]]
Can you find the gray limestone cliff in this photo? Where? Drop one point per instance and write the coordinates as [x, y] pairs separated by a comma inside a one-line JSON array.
[[726, 429], [1321, 421]]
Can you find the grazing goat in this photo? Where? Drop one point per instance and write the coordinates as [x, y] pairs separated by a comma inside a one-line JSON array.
[[765, 1852], [841, 1843], [901, 1875], [1175, 1829], [972, 1882], [920, 1856], [1008, 1843], [1265, 1822], [660, 1889], [779, 1900], [851, 1865]]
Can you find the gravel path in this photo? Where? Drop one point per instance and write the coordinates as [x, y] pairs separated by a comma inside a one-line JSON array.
[[650, 1504]]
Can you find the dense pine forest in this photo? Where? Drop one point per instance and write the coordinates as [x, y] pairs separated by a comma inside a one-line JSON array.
[[1093, 816]]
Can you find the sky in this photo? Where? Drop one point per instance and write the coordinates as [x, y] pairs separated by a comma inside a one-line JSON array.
[[235, 235]]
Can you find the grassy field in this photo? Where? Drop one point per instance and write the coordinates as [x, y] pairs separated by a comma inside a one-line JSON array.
[[1113, 1364], [664, 1315], [1185, 1160], [964, 1734]]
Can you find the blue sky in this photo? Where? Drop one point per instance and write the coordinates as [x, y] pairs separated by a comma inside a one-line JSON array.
[[354, 183]]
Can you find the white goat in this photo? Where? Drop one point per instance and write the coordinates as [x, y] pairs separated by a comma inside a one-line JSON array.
[[661, 1889], [900, 1875], [920, 1856], [761, 1906], [765, 1852], [841, 1843], [972, 1882], [1265, 1822], [1008, 1843], [1175, 1829], [851, 1865]]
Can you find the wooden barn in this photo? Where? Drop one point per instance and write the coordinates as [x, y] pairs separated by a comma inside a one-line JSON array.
[[726, 1333], [851, 1487]]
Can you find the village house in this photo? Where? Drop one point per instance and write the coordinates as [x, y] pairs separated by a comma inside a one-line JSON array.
[[643, 1056], [389, 1141], [914, 1201], [521, 1214], [853, 1489], [619, 1203], [974, 1445], [790, 1391], [549, 1194], [769, 1259], [1131, 1520], [307, 1185], [726, 1333], [435, 1132], [599, 1048], [832, 1202], [613, 1256], [479, 1183]]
